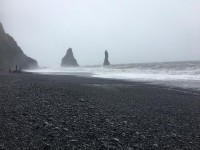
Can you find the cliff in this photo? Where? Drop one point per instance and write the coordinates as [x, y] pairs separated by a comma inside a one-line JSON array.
[[69, 60], [106, 61], [11, 54]]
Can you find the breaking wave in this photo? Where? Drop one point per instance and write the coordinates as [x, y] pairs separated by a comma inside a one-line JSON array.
[[169, 72]]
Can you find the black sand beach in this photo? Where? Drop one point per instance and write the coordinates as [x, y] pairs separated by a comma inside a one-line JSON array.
[[68, 112]]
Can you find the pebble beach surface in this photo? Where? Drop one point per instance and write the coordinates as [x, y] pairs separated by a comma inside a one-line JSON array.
[[68, 112]]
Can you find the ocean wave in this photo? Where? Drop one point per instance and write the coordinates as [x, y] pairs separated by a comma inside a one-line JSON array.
[[145, 71]]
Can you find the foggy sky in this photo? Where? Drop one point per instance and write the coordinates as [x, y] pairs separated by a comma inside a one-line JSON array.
[[131, 30]]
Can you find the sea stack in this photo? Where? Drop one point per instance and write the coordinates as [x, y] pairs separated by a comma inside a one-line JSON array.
[[69, 60], [11, 54], [106, 61]]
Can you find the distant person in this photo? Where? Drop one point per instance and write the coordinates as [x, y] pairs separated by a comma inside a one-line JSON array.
[[10, 71], [16, 67]]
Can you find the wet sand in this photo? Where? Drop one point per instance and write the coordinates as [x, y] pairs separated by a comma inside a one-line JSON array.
[[69, 112]]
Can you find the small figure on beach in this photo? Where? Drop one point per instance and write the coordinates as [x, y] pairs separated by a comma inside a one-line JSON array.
[[16, 71], [9, 71], [106, 61]]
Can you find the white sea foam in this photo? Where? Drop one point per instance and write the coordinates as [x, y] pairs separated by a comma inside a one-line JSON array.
[[180, 73]]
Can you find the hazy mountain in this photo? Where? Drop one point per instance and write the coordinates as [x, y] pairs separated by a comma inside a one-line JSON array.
[[11, 54]]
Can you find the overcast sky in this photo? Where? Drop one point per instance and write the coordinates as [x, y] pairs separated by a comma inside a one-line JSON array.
[[131, 30]]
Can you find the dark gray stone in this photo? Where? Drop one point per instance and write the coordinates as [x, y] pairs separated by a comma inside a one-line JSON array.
[[106, 61], [69, 60]]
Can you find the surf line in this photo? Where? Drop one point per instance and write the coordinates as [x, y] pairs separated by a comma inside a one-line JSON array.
[[181, 91]]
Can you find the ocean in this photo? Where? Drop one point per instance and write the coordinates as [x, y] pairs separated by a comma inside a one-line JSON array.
[[185, 74]]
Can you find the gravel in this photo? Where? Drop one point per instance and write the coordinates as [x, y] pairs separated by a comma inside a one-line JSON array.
[[69, 112]]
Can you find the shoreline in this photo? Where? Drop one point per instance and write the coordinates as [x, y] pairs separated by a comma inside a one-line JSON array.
[[178, 83], [66, 112], [157, 84], [87, 75]]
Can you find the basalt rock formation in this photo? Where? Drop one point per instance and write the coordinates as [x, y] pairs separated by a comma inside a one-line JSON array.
[[106, 61], [69, 60], [11, 54]]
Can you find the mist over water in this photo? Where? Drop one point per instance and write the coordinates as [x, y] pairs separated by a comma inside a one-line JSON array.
[[132, 31], [178, 74]]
